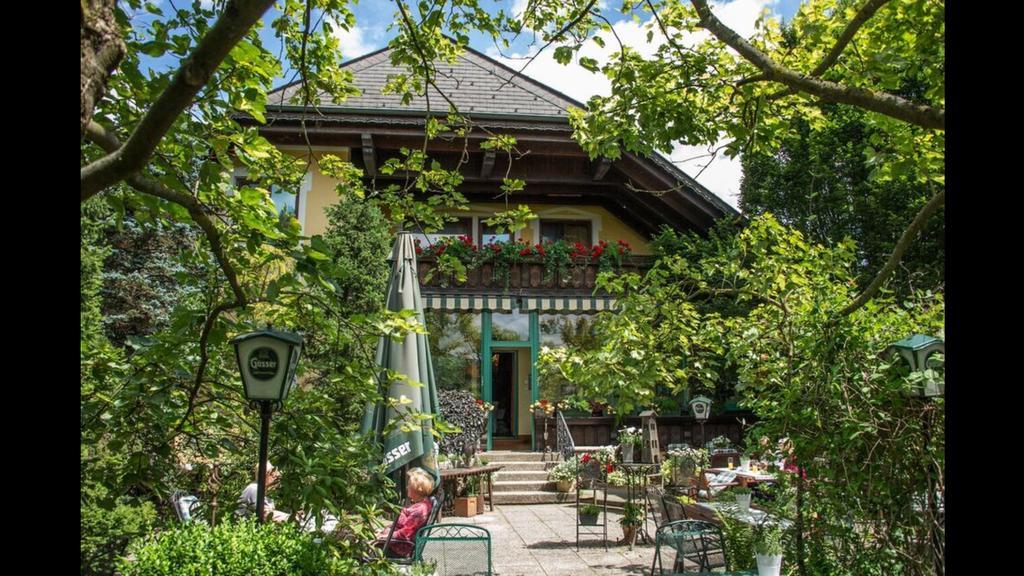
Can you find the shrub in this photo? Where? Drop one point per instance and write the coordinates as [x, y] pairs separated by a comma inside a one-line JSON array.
[[107, 532], [235, 549], [459, 408], [769, 540], [589, 510]]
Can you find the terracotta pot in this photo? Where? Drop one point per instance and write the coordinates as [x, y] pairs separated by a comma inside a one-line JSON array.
[[628, 534], [465, 507]]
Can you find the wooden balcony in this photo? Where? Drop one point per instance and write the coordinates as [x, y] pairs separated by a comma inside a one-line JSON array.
[[522, 277]]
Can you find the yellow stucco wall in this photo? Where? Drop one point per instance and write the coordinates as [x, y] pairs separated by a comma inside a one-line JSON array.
[[609, 228]]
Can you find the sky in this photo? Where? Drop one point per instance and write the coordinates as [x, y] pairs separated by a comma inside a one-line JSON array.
[[375, 21]]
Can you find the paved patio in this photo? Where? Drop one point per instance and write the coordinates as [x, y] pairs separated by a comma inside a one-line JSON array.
[[540, 539]]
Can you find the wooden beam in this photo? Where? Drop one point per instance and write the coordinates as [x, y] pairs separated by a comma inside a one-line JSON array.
[[488, 165], [369, 157], [601, 168]]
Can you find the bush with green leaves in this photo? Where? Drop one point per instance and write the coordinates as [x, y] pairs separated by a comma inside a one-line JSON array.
[[238, 549], [769, 540], [107, 526], [459, 408], [589, 510]]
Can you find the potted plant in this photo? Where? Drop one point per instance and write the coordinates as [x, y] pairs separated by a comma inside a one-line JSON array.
[[564, 474], [465, 505], [629, 439], [742, 494], [588, 514], [683, 464], [768, 550], [632, 518]]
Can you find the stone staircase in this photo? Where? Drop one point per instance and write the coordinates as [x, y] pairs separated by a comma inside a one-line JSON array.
[[524, 478]]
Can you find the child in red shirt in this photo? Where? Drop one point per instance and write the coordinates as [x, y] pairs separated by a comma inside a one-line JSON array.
[[419, 485]]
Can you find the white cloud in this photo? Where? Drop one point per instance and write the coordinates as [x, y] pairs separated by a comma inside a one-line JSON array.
[[723, 176], [354, 42]]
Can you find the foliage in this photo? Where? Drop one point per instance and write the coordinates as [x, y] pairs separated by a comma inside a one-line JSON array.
[[818, 181], [589, 510], [617, 478], [558, 257], [811, 375], [231, 549], [632, 515], [769, 540], [106, 531], [631, 435], [686, 457], [566, 470], [459, 408], [356, 238], [739, 542]]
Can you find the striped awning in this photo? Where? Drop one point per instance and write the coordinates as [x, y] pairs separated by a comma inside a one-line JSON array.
[[505, 303]]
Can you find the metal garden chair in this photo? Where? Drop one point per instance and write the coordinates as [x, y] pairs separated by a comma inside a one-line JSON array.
[[435, 509], [689, 545], [185, 506], [454, 549]]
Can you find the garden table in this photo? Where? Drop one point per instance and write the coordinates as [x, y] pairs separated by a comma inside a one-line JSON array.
[[452, 474], [751, 477], [708, 511]]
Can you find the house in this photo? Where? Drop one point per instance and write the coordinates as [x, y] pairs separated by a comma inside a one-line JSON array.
[[487, 330]]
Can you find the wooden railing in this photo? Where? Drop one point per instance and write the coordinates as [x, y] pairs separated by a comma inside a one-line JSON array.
[[528, 275], [602, 430]]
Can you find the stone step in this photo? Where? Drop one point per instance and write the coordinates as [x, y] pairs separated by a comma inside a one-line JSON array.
[[523, 486], [510, 456], [532, 497], [522, 466], [509, 475]]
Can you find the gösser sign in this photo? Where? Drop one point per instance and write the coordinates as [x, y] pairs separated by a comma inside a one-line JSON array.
[[267, 360]]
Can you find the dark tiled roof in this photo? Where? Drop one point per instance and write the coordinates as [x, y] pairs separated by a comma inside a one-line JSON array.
[[475, 83]]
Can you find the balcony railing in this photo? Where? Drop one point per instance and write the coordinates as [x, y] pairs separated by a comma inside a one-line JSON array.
[[526, 275]]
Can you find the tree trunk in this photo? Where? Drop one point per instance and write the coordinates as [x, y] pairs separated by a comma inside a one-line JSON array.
[[102, 50]]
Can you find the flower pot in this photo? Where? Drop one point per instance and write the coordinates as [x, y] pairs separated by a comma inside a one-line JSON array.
[[564, 485], [628, 534], [743, 501], [589, 519], [465, 506], [745, 463], [627, 452], [769, 565]]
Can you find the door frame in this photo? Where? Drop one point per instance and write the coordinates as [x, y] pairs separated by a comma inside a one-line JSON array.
[[487, 345]]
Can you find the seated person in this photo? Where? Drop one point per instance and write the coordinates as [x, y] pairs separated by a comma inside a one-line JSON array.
[[247, 501], [418, 486]]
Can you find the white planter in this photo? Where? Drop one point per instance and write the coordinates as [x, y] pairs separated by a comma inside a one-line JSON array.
[[769, 565], [743, 501]]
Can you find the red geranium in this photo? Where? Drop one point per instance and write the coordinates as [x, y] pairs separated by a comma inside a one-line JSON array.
[[585, 458], [479, 402], [418, 249], [609, 468], [525, 251]]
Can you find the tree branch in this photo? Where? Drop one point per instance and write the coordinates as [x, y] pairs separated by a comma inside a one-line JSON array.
[[863, 15], [882, 103], [108, 141], [901, 246], [195, 71]]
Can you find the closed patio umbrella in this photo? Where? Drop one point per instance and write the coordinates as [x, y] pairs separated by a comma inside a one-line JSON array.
[[410, 356]]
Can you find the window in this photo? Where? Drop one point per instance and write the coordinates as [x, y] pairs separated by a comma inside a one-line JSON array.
[[460, 227], [568, 230], [455, 349], [284, 201], [489, 234]]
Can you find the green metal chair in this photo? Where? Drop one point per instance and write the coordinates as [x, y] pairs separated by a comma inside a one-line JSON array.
[[692, 544], [455, 549]]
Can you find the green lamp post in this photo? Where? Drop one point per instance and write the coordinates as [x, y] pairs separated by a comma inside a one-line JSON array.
[[267, 360], [701, 406], [922, 354]]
